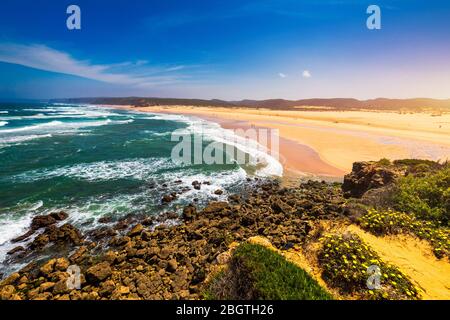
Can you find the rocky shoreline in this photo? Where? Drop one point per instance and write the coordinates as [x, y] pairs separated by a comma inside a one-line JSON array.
[[149, 259], [165, 262]]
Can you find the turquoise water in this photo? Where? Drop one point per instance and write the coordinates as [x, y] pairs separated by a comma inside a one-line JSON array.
[[94, 162]]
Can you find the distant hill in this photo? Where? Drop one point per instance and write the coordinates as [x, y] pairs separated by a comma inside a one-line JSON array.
[[407, 105]]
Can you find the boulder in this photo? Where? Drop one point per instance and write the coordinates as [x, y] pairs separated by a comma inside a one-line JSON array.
[[46, 286], [79, 255], [215, 206], [61, 287], [196, 185], [98, 272], [7, 292], [23, 237], [48, 267], [167, 199], [366, 176], [59, 216], [105, 220], [189, 212], [172, 265], [279, 206], [137, 229], [42, 222], [61, 264], [16, 250]]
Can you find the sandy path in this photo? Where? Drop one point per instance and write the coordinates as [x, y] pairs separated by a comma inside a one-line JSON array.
[[415, 259]]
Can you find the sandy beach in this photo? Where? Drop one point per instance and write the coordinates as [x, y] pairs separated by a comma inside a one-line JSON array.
[[326, 143]]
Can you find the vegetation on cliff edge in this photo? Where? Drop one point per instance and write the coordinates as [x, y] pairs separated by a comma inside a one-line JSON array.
[[426, 195], [256, 272], [345, 260]]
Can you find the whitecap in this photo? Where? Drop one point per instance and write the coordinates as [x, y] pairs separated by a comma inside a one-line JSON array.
[[18, 139], [3, 123], [64, 126], [139, 169]]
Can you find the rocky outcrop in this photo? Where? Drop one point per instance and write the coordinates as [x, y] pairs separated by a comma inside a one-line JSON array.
[[47, 220], [155, 261], [99, 272], [66, 236], [366, 176]]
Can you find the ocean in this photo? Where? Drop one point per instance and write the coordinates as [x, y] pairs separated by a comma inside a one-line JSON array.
[[95, 162]]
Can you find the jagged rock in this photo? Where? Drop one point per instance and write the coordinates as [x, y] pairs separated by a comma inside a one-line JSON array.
[[366, 176], [79, 255], [43, 296], [61, 287], [234, 198], [42, 222], [107, 288], [61, 264], [102, 234], [189, 212], [172, 265], [105, 220], [164, 253], [46, 286], [215, 206], [15, 250], [218, 192], [123, 290], [39, 242], [137, 229], [59, 216], [69, 233], [23, 237], [7, 292], [48, 267], [169, 215], [99, 272], [47, 220], [279, 206], [167, 199]]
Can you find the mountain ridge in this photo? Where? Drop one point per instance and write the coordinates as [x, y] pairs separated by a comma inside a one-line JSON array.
[[415, 104]]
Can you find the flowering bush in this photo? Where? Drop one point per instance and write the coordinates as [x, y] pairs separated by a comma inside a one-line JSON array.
[[393, 222], [345, 260]]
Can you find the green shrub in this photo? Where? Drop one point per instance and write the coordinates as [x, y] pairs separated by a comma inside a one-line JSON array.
[[384, 162], [255, 272], [428, 196], [394, 222], [345, 260], [416, 162]]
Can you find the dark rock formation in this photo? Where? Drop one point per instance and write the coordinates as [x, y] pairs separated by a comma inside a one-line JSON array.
[[366, 176]]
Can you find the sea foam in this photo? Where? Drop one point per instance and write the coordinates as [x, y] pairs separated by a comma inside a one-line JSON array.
[[270, 166]]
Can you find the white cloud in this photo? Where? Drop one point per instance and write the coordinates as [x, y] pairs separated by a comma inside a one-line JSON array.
[[282, 75], [306, 74], [44, 58], [176, 68]]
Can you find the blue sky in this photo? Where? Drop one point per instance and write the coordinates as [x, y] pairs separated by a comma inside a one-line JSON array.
[[231, 49]]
